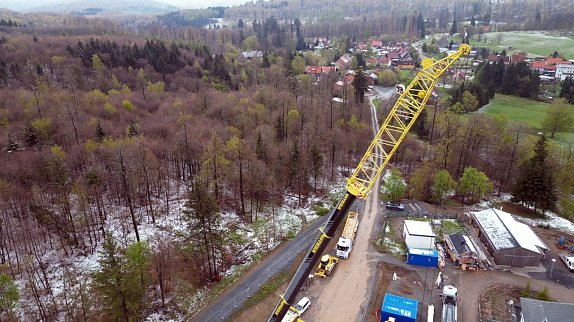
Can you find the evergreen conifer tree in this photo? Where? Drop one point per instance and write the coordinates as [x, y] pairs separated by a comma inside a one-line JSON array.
[[535, 185], [360, 83]]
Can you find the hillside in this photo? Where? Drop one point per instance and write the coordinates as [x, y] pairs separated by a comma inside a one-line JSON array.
[[107, 7]]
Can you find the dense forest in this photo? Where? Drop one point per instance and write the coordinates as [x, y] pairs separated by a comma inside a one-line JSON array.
[[97, 130]]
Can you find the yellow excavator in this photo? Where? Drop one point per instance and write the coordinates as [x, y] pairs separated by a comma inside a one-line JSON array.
[[412, 100]]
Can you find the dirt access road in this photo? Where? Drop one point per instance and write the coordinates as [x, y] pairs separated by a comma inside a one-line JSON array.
[[344, 296]]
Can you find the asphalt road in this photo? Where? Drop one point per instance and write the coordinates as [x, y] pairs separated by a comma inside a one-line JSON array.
[[233, 298], [560, 273]]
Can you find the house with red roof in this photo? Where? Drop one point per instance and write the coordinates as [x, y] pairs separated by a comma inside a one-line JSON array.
[[515, 58], [376, 43], [549, 65], [317, 71]]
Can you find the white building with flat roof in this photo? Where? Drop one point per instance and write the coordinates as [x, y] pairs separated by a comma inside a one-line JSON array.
[[563, 71], [418, 234]]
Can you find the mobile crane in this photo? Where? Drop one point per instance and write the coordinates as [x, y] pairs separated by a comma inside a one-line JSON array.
[[401, 118]]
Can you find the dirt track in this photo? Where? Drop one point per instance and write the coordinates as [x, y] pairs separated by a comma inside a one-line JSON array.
[[344, 295]]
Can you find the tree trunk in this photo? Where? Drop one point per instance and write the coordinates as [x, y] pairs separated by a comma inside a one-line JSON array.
[[241, 194], [128, 197]]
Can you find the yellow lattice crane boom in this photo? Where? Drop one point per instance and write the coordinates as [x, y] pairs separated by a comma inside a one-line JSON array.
[[401, 118]]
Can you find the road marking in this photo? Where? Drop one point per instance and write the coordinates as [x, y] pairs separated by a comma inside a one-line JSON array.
[[410, 204], [416, 204]]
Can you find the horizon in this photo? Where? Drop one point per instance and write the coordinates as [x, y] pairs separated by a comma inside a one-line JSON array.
[[33, 5]]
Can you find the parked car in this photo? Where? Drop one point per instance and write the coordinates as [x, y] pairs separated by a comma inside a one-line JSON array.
[[303, 305], [395, 206], [295, 312]]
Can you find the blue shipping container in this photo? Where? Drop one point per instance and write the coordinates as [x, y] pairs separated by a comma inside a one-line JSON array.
[[423, 257], [401, 308]]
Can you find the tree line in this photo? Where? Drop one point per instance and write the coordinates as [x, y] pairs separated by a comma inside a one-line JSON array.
[[512, 79]]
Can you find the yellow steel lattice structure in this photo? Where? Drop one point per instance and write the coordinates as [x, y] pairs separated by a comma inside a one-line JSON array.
[[401, 118]]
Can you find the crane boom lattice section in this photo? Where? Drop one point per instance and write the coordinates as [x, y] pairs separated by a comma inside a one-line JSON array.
[[397, 124]]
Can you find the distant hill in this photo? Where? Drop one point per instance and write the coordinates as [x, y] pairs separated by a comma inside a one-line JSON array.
[[191, 17], [108, 7]]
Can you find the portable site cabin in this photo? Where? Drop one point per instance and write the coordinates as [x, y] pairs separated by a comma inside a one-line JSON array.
[[401, 308], [423, 257], [418, 234]]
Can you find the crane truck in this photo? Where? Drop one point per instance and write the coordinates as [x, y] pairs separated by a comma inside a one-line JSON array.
[[449, 297], [345, 243], [402, 116]]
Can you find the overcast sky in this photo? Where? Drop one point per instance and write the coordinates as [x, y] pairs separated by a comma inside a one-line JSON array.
[[27, 4]]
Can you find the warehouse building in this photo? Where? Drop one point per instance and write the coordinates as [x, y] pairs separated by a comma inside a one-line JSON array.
[[508, 241], [418, 234]]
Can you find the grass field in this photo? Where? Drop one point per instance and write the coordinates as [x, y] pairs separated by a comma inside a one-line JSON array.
[[518, 109], [528, 112], [538, 43]]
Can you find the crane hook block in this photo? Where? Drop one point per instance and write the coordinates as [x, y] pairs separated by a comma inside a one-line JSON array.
[[400, 88]]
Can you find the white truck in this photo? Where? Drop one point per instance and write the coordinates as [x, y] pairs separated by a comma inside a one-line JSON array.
[[449, 298], [345, 244]]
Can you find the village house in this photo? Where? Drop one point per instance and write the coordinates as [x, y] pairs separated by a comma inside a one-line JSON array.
[[462, 251], [516, 58], [381, 61], [344, 62], [535, 311], [550, 65], [317, 71], [564, 70], [494, 58], [376, 44]]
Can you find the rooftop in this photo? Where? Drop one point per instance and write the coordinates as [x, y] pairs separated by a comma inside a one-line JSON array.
[[462, 244], [537, 311], [425, 252], [506, 233], [420, 228]]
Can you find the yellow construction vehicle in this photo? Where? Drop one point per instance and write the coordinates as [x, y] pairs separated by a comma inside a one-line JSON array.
[[326, 265], [411, 101]]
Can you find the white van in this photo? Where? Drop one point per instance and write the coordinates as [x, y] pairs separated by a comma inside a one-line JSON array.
[[569, 261]]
